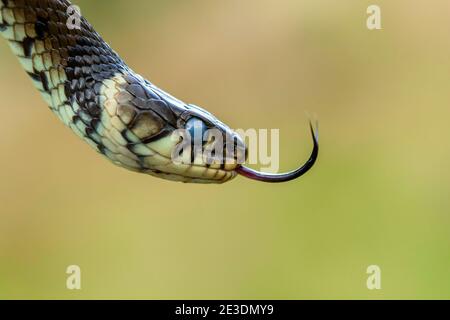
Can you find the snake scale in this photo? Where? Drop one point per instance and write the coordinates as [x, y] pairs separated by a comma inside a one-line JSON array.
[[120, 114]]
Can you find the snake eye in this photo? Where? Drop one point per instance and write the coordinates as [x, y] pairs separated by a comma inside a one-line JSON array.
[[196, 128]]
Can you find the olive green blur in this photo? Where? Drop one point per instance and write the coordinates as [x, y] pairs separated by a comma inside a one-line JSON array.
[[379, 193]]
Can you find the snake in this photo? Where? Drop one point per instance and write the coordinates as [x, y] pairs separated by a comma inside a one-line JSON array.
[[119, 113]]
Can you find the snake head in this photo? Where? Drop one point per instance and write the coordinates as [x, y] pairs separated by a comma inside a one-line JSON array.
[[202, 149]]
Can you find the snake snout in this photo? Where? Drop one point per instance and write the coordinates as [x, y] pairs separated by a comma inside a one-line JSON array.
[[236, 150]]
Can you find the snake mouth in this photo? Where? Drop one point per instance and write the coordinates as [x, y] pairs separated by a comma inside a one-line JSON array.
[[288, 176]]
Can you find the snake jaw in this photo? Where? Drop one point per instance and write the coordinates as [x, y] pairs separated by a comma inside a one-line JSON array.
[[288, 176]]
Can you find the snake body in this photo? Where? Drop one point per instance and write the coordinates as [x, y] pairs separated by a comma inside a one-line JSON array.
[[90, 89]]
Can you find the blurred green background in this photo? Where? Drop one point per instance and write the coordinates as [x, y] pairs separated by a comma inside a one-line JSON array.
[[378, 195]]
